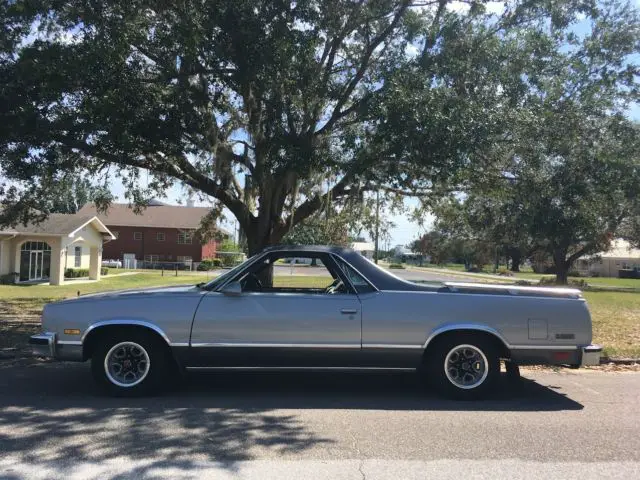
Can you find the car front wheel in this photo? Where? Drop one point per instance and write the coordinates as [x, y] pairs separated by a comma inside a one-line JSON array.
[[129, 364]]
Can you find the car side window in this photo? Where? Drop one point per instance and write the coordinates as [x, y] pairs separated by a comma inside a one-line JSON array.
[[358, 281], [285, 272]]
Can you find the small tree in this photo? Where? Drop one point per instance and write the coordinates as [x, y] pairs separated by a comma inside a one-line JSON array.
[[434, 244], [230, 253], [567, 178]]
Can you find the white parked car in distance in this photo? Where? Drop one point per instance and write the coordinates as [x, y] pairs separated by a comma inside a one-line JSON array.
[[112, 263]]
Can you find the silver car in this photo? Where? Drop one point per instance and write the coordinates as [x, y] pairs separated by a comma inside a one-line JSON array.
[[318, 307]]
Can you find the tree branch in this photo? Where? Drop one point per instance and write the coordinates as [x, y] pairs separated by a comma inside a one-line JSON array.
[[582, 251], [431, 39], [364, 64], [313, 204]]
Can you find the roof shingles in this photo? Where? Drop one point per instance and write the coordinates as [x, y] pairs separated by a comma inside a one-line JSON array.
[[54, 224], [159, 216]]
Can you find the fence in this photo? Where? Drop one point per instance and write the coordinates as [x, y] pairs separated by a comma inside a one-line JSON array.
[[220, 260]]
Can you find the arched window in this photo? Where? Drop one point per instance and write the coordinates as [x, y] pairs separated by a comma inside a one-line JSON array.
[[35, 261]]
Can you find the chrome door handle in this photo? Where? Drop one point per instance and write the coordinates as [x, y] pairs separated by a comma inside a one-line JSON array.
[[348, 311]]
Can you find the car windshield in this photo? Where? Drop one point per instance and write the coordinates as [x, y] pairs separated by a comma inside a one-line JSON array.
[[213, 284]]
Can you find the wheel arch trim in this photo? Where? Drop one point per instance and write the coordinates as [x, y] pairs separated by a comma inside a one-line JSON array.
[[124, 323], [465, 326]]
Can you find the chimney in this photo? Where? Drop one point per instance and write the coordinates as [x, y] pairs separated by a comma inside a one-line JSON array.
[[190, 202]]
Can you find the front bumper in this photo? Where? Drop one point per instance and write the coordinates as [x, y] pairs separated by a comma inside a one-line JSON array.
[[43, 344], [46, 344]]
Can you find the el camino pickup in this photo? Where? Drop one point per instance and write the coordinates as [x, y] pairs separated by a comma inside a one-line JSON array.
[[454, 334]]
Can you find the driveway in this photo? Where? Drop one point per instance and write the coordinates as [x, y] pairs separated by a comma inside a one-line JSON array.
[[572, 424]]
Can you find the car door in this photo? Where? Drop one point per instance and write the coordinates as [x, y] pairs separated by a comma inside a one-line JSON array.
[[304, 324]]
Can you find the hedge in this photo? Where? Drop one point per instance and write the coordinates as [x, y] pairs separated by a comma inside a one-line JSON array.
[[209, 264], [82, 272], [76, 272], [397, 265]]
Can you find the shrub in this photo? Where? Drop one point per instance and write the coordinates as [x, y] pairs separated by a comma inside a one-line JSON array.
[[9, 278], [571, 283], [76, 272], [547, 281], [523, 283], [505, 272], [397, 265], [574, 273], [104, 271], [209, 264], [231, 260]]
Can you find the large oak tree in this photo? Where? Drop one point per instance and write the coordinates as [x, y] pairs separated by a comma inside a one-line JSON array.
[[272, 108]]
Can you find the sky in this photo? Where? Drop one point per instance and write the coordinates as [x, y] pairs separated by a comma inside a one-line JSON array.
[[404, 230]]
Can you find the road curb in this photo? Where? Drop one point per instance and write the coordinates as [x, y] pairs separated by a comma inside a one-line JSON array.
[[619, 361]]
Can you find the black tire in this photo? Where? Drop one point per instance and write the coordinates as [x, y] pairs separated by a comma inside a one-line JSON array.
[[135, 344], [440, 352]]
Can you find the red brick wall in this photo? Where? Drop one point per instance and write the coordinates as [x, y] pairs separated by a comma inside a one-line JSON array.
[[209, 249], [168, 250]]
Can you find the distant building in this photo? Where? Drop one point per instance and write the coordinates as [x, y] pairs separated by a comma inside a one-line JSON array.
[[160, 233], [39, 252], [404, 255], [621, 256], [367, 249]]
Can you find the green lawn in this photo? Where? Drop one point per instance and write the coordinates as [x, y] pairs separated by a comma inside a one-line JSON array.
[[616, 322], [616, 315], [32, 297], [594, 281]]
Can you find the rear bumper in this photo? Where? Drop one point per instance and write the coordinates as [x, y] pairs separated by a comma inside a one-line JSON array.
[[46, 344], [591, 355], [578, 356]]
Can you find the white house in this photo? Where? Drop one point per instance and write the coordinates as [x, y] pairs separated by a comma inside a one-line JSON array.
[[40, 252], [365, 248], [621, 256]]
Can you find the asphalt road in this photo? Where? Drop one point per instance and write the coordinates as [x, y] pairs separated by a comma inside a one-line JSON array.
[[573, 424], [423, 276]]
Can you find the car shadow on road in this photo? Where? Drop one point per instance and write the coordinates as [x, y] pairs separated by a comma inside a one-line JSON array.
[[372, 390], [53, 417], [363, 391]]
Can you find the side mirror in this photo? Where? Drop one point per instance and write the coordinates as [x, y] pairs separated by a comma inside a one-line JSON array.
[[232, 289]]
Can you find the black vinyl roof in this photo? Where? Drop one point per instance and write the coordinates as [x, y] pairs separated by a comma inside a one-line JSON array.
[[379, 277]]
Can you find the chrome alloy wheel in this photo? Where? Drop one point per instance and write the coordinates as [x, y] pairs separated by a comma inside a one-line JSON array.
[[466, 366], [127, 364]]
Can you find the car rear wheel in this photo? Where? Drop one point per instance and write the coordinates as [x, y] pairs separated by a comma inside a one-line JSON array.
[[130, 363], [464, 367]]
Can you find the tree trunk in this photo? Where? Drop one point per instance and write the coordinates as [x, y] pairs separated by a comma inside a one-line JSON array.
[[562, 266], [562, 275], [257, 241], [516, 259]]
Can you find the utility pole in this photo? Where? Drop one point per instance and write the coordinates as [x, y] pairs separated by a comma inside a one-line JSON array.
[[376, 251]]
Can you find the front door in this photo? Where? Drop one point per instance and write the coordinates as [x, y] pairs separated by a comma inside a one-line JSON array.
[[306, 317], [129, 260], [35, 266]]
